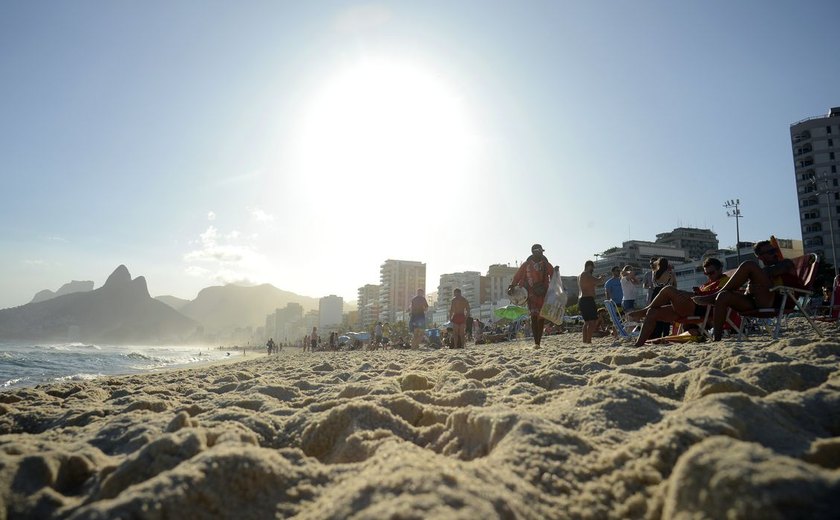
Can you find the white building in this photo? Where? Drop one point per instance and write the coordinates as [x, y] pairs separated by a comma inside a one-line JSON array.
[[398, 284], [816, 149], [470, 284], [499, 277], [330, 309], [368, 305]]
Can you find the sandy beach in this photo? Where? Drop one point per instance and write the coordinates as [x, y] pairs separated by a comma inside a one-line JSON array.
[[728, 430]]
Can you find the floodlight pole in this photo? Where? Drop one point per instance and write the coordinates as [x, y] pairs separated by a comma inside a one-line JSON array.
[[827, 194], [735, 212]]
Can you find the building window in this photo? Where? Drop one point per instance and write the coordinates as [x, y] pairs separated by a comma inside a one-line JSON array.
[[831, 155], [828, 129], [834, 181], [831, 142], [833, 168]]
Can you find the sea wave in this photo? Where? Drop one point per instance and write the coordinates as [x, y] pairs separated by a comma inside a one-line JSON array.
[[12, 382], [78, 377]]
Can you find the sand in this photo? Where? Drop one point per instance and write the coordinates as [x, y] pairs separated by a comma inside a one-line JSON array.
[[718, 430]]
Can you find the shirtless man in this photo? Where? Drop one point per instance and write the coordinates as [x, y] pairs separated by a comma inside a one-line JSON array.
[[671, 304], [586, 303], [757, 295], [417, 321], [459, 310]]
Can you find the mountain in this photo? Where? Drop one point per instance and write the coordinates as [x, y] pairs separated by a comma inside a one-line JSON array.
[[121, 311], [222, 308], [173, 301], [68, 288]]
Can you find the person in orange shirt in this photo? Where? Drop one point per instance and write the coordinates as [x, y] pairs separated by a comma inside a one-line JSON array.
[[534, 274]]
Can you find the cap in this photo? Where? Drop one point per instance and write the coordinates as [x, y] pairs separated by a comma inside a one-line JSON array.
[[537, 247], [627, 268]]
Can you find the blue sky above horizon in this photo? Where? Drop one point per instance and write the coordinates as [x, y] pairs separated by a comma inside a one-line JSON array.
[[302, 144]]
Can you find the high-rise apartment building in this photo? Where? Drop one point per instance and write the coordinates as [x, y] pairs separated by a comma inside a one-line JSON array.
[[816, 149], [398, 284], [499, 277], [470, 284], [330, 309], [368, 304]]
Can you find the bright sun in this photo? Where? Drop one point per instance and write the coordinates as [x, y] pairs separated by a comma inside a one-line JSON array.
[[380, 125]]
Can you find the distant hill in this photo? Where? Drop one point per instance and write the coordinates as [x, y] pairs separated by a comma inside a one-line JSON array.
[[222, 308], [68, 288], [121, 311], [173, 301]]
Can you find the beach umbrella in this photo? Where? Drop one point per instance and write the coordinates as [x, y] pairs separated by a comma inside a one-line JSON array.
[[510, 312]]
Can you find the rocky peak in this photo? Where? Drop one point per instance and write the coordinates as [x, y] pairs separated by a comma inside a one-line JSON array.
[[119, 277]]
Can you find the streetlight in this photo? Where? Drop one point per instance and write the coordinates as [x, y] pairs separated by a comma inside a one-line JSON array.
[[736, 213], [825, 191]]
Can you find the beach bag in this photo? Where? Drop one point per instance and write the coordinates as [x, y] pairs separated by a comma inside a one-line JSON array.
[[554, 307]]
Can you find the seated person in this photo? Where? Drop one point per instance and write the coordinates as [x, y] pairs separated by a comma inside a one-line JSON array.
[[671, 304], [759, 280]]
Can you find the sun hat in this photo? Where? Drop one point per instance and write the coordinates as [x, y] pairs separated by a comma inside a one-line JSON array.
[[537, 247], [627, 268]]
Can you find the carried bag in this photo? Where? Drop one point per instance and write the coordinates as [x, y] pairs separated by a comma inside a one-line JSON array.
[[556, 297]]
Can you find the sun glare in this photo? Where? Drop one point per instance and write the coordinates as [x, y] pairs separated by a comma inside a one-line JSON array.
[[380, 124]]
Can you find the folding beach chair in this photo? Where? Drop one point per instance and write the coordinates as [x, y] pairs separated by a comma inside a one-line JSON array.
[[700, 321], [621, 325], [806, 268]]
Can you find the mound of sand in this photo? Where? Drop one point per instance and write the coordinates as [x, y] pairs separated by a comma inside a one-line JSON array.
[[728, 430]]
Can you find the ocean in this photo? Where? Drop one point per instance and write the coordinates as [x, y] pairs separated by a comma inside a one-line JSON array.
[[30, 365]]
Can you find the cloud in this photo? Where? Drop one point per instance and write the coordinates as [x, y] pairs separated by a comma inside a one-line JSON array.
[[211, 215], [36, 263], [261, 216], [198, 272], [362, 18], [54, 238], [225, 258]]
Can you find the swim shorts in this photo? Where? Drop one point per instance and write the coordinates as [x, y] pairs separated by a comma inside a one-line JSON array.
[[459, 318], [586, 304]]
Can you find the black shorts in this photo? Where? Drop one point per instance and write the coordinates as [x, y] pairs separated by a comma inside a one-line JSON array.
[[587, 308]]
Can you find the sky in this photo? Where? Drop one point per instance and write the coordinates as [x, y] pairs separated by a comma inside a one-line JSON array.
[[304, 143]]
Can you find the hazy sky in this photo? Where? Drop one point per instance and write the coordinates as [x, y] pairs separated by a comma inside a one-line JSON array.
[[303, 143]]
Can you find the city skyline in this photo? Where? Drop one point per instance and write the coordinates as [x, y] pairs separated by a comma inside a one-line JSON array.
[[299, 145]]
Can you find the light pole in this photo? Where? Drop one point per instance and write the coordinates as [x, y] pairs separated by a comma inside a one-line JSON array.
[[827, 194], [734, 211]]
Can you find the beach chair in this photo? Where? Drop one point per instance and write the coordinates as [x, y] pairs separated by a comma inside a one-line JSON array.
[[624, 328], [806, 268], [699, 321]]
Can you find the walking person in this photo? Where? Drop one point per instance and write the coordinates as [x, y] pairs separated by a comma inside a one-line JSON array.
[[535, 275], [417, 318]]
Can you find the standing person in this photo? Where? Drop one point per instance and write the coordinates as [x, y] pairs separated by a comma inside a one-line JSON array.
[[647, 280], [535, 275], [459, 312], [377, 334], [305, 342], [586, 303], [313, 339], [629, 288], [612, 287], [417, 318]]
